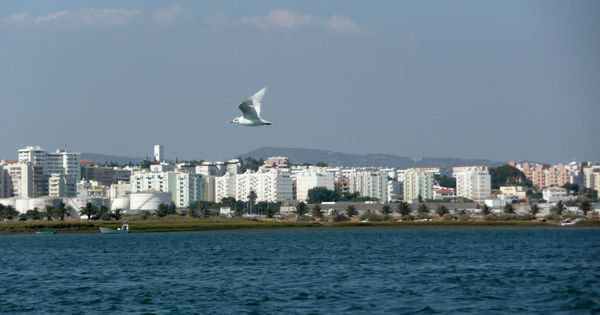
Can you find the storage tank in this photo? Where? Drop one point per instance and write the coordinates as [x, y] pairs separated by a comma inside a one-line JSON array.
[[148, 201], [120, 203]]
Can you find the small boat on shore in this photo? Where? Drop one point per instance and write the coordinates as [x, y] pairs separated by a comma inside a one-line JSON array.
[[124, 229], [45, 232]]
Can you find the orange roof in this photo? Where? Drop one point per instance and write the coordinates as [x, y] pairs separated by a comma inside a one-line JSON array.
[[445, 191], [12, 161], [86, 161]]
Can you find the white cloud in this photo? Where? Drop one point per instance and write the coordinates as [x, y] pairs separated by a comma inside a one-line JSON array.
[[89, 17], [51, 17], [170, 15], [289, 20]]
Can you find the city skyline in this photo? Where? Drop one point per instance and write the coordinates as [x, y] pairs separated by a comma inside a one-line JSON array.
[[513, 81]]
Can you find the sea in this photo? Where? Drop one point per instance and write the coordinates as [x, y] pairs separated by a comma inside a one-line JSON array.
[[553, 270]]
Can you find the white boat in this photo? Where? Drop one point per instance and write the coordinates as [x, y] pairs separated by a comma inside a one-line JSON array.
[[124, 229], [568, 222]]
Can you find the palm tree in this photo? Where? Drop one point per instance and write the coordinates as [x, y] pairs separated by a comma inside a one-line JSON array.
[[558, 209], [8, 212], [442, 210], [386, 210], [89, 210], [351, 211], [117, 214], [485, 210], [316, 211], [301, 209], [251, 199], [423, 209], [403, 208], [509, 209], [61, 211], [48, 212], [585, 206], [534, 209]]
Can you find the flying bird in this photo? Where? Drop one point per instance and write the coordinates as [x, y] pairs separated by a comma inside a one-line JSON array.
[[250, 108]]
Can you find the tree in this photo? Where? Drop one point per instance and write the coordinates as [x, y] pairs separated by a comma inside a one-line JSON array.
[[591, 194], [423, 209], [571, 188], [322, 164], [559, 207], [7, 212], [89, 210], [386, 210], [534, 209], [251, 199], [442, 210], [48, 212], [103, 210], [507, 175], [163, 210], [403, 208], [445, 181], [485, 210], [117, 214], [61, 211], [270, 211], [351, 211], [171, 208], [322, 194], [33, 214], [301, 209], [509, 209], [585, 206], [316, 212]]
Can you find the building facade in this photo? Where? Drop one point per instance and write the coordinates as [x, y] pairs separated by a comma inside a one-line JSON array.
[[418, 183], [473, 182]]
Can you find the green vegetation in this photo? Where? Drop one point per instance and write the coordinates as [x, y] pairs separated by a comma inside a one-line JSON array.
[[351, 211], [316, 211], [403, 208], [444, 181], [322, 194], [507, 175], [509, 209], [442, 210], [301, 209], [386, 210]]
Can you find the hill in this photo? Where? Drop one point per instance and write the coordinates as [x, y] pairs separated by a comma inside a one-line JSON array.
[[313, 156]]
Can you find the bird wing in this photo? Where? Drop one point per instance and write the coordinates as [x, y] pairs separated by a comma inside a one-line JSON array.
[[248, 110], [257, 99]]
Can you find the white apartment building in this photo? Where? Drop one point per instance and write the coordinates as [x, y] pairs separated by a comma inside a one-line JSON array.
[[225, 186], [555, 194], [119, 190], [369, 184], [22, 180], [269, 185], [311, 178], [418, 182], [473, 182], [59, 162], [184, 188], [60, 185]]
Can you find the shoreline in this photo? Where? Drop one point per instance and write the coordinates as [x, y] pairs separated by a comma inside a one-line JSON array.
[[157, 226]]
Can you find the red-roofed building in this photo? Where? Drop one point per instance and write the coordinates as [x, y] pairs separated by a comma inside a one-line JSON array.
[[12, 161], [86, 162], [441, 194]]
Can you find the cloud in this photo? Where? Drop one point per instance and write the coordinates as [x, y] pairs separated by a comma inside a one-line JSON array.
[[87, 17], [168, 15], [287, 19]]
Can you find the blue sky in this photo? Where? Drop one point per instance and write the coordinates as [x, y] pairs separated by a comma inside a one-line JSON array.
[[504, 80]]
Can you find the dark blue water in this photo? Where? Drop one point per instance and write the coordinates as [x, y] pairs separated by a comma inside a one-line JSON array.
[[378, 271]]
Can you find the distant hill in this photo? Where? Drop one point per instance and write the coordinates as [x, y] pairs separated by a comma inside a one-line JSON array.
[[103, 158], [313, 156]]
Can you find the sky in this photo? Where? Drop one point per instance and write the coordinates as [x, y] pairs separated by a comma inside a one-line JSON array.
[[502, 80]]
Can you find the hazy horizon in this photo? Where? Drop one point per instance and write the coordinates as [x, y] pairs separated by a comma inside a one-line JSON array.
[[512, 80]]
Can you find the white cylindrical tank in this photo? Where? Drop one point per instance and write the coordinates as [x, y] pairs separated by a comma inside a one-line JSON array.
[[148, 201], [120, 203]]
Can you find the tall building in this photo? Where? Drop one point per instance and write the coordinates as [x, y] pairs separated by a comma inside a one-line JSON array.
[[311, 178], [225, 186], [269, 185], [24, 180], [418, 183], [184, 188], [159, 152], [3, 181], [60, 185], [104, 175], [370, 184], [473, 182]]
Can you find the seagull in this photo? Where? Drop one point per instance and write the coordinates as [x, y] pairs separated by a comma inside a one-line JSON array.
[[250, 108]]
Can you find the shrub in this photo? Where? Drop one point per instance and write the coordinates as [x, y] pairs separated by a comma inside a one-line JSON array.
[[449, 217], [464, 217], [386, 217], [340, 218], [552, 217], [491, 217], [146, 215], [305, 218], [407, 218], [106, 216], [371, 216]]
